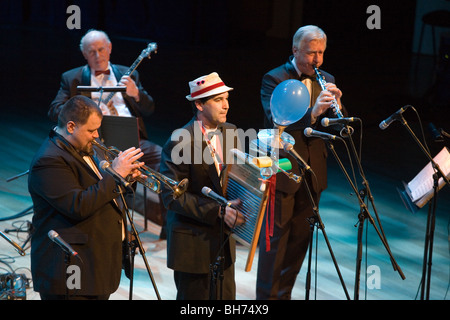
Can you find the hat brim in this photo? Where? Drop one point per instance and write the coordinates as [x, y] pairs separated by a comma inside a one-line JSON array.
[[213, 92]]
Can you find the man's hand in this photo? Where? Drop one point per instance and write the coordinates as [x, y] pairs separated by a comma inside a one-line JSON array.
[[132, 89], [126, 162], [325, 99], [233, 217]]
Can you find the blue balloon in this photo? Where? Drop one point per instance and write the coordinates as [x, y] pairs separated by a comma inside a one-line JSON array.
[[289, 102]]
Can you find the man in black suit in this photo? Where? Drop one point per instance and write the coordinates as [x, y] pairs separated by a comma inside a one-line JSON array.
[[194, 236], [96, 48], [279, 266], [78, 200]]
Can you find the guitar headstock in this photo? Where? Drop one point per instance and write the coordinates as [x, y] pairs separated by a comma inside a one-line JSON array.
[[152, 47]]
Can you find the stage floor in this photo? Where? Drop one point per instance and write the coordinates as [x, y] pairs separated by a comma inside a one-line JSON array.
[[339, 209]]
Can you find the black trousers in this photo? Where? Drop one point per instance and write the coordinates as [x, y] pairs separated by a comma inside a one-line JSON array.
[[193, 286], [278, 268]]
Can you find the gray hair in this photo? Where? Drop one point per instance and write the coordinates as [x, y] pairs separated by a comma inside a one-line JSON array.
[[308, 33], [90, 34]]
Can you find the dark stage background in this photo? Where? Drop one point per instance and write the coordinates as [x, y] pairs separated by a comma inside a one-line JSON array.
[[377, 70], [241, 40]]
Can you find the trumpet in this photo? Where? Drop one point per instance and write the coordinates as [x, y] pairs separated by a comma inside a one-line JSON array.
[[322, 83], [154, 178]]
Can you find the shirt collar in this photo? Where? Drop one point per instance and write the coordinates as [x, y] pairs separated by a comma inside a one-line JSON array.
[[294, 63]]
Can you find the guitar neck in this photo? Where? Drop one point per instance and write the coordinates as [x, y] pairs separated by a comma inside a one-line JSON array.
[[127, 73], [134, 66]]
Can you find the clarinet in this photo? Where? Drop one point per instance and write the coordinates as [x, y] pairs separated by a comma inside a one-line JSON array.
[[322, 83]]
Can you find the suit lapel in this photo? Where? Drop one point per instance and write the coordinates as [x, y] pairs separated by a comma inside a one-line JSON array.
[[116, 72], [65, 145], [203, 150], [86, 76], [86, 79]]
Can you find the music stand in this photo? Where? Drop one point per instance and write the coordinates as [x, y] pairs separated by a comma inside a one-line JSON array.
[[111, 132], [101, 89], [431, 217], [120, 132], [111, 89]]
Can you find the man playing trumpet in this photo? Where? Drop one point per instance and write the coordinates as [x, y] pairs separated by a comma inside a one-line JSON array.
[[78, 200]]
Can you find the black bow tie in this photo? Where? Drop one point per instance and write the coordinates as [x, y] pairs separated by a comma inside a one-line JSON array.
[[305, 76], [215, 132], [84, 153]]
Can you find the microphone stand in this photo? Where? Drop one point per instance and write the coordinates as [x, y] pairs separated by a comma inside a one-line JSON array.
[[217, 268], [431, 217], [135, 234], [364, 214], [131, 254], [316, 220], [67, 262]]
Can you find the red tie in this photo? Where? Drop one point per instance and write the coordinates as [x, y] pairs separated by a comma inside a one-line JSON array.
[[97, 73]]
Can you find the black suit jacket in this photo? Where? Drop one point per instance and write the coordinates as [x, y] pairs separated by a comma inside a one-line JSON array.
[[193, 226], [312, 150], [81, 76], [68, 197]]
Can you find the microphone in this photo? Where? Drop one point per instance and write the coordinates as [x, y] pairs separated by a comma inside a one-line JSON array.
[[54, 236], [289, 148], [328, 122], [309, 132], [105, 165], [15, 245], [211, 194], [386, 123]]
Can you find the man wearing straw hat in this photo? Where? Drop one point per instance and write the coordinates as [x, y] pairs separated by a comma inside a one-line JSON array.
[[197, 249]]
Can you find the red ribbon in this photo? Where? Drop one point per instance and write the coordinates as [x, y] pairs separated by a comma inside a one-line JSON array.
[[270, 210], [206, 89]]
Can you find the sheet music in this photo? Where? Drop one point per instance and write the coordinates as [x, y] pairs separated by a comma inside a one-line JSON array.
[[421, 187]]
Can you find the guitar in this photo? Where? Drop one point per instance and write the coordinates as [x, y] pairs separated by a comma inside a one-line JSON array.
[[146, 53]]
